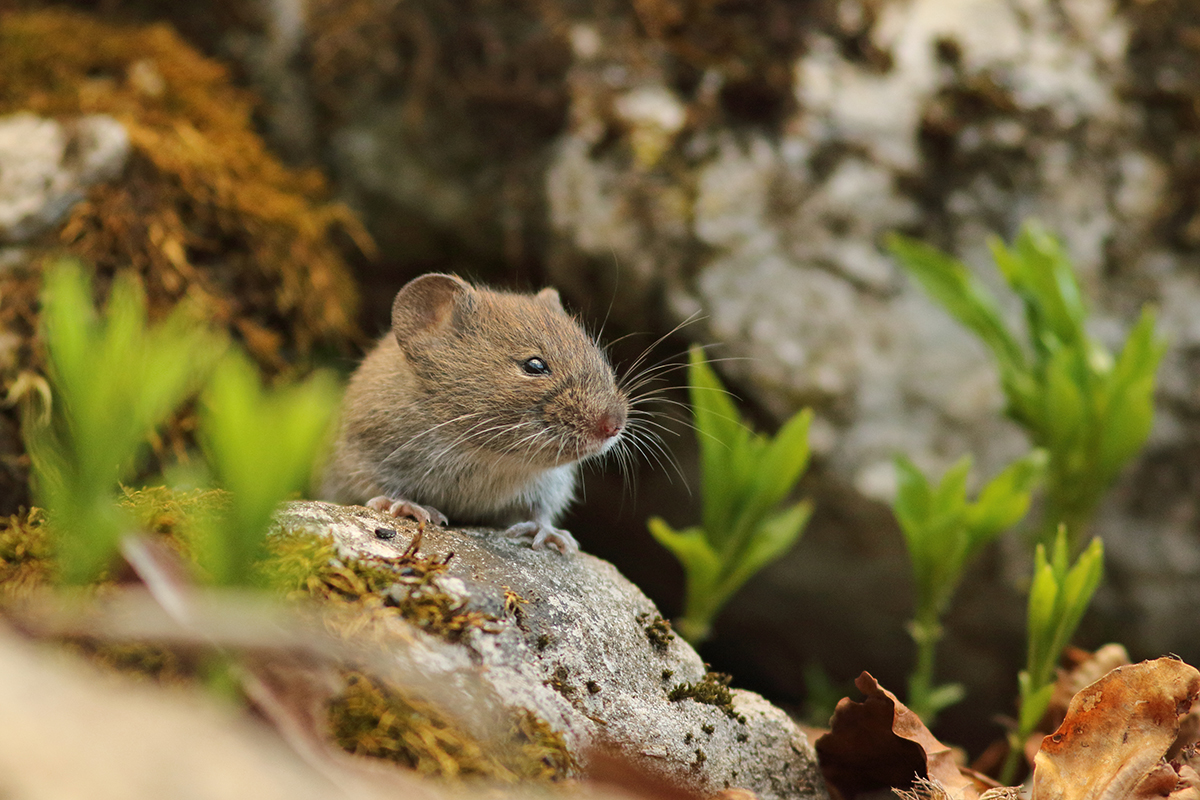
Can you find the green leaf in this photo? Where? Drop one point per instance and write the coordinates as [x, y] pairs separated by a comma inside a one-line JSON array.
[[1033, 707], [1077, 588], [772, 475], [1005, 500], [1038, 270], [951, 284], [723, 442], [114, 379], [1043, 599], [1129, 415], [745, 476], [770, 541], [914, 500], [261, 446], [690, 548], [944, 696], [1066, 412]]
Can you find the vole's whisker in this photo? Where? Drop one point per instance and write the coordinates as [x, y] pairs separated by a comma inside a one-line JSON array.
[[653, 451], [695, 316]]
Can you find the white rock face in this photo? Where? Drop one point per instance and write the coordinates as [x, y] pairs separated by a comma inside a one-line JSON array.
[[793, 278], [46, 166]]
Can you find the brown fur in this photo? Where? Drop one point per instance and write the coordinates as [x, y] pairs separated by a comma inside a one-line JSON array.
[[443, 414]]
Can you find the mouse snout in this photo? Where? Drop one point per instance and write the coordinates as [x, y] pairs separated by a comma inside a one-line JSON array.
[[609, 423]]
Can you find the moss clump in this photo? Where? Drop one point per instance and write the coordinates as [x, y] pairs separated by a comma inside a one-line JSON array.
[[304, 564], [175, 515], [372, 719], [204, 208], [657, 629], [558, 682], [24, 554], [713, 690], [160, 664]]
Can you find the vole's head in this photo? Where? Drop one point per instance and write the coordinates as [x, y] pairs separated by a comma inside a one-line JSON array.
[[508, 374]]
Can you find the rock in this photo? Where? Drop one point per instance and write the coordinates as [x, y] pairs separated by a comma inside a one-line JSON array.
[[46, 167], [585, 651]]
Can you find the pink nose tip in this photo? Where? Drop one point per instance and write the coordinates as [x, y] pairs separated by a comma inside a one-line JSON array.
[[609, 425]]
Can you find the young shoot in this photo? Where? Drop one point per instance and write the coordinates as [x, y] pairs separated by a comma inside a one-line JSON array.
[[1089, 410], [944, 532], [745, 477], [113, 379], [260, 446], [1058, 597]]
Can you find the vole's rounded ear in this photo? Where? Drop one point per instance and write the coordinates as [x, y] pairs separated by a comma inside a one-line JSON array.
[[427, 303], [549, 297]]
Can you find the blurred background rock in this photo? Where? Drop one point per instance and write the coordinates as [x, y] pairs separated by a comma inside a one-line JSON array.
[[739, 160]]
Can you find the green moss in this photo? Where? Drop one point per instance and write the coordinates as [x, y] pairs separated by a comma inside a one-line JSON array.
[[304, 564], [175, 515], [24, 554], [657, 630], [204, 208], [158, 663], [372, 719], [558, 682], [713, 690]]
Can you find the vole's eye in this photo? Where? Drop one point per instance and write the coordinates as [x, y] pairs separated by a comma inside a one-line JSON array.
[[535, 366]]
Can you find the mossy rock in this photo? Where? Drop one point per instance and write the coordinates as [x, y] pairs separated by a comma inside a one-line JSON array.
[[203, 210]]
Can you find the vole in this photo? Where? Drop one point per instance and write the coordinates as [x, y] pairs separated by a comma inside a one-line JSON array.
[[477, 407]]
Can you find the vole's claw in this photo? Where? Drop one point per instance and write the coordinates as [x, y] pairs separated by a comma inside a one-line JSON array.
[[544, 535], [405, 508]]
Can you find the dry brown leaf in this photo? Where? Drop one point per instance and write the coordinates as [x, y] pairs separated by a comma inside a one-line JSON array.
[[1080, 670], [880, 744], [1117, 730]]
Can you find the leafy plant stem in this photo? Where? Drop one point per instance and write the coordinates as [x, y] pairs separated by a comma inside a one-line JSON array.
[[746, 478], [926, 632]]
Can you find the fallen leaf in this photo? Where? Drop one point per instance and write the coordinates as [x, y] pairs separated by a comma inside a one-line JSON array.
[[880, 744], [1116, 732], [1080, 670]]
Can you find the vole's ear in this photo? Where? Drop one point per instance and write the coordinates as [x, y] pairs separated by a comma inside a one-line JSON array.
[[549, 297], [427, 303]]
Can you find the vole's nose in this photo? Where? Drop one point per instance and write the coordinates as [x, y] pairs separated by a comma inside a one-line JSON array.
[[609, 424]]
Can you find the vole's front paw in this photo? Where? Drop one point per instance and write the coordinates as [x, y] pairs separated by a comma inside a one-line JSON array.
[[544, 535], [405, 508]]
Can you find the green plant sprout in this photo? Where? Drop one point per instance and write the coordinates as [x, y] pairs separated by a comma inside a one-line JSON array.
[[744, 478], [943, 533], [260, 446], [113, 380], [1091, 412], [1058, 597]]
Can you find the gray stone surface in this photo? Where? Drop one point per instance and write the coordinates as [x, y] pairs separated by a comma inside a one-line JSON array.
[[46, 167], [578, 655]]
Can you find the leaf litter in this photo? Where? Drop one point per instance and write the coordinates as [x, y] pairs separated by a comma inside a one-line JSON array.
[[1131, 734]]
